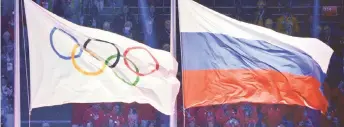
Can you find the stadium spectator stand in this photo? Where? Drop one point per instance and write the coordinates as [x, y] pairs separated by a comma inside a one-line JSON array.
[[124, 17]]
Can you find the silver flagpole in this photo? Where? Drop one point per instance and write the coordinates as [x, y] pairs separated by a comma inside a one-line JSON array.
[[173, 46], [173, 40], [17, 116]]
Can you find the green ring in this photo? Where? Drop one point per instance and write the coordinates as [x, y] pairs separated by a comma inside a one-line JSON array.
[[136, 69]]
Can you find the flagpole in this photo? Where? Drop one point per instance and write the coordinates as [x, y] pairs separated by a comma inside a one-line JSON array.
[[17, 116], [173, 46]]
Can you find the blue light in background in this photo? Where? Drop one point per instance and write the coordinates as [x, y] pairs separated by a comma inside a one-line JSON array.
[[145, 16]]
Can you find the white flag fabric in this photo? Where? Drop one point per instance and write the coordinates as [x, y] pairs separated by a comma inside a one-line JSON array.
[[75, 64]]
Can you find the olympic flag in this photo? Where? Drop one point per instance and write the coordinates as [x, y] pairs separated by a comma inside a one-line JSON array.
[[229, 61], [75, 64]]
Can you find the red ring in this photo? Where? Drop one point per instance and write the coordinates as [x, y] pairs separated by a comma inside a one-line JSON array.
[[138, 73]]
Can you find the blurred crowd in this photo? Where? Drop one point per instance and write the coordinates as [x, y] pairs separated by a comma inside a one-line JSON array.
[[116, 115], [7, 62], [139, 23], [147, 21], [259, 115]]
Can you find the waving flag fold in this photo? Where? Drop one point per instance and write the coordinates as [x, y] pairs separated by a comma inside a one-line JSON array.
[[229, 61], [75, 64]]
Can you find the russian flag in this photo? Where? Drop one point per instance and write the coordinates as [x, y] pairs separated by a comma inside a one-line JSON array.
[[229, 61]]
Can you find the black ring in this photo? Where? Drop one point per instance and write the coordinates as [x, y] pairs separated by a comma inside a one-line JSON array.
[[118, 53]]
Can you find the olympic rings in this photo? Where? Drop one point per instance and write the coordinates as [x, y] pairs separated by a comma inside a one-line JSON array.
[[52, 44], [101, 70], [136, 69], [138, 73]]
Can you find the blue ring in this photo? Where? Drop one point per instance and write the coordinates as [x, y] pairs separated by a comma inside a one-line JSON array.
[[53, 47]]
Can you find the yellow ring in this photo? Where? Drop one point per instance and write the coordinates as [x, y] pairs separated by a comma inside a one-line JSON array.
[[83, 71]]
